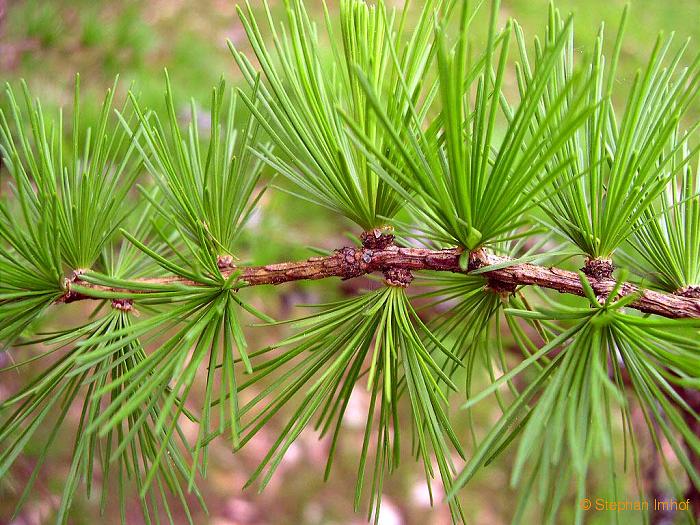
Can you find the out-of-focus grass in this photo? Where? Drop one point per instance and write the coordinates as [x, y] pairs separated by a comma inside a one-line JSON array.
[[47, 41]]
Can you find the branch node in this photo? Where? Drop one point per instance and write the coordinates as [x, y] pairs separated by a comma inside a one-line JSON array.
[[225, 262], [71, 296], [599, 269], [352, 262], [378, 238], [689, 291], [399, 277], [477, 259], [125, 305]]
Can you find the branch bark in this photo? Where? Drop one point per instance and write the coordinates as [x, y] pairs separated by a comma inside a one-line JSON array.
[[350, 262]]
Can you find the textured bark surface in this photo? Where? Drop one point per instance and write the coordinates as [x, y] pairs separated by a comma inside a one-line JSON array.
[[350, 262]]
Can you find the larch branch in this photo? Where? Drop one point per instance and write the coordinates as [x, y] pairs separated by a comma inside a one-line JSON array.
[[351, 262]]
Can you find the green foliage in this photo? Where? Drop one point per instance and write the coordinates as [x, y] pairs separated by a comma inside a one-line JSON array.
[[620, 165], [378, 336], [95, 368], [124, 452], [140, 395], [586, 370], [80, 182], [206, 195], [303, 92], [388, 120], [668, 235], [195, 240], [468, 188], [68, 201]]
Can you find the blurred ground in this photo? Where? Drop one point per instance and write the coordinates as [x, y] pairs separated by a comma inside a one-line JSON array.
[[47, 41]]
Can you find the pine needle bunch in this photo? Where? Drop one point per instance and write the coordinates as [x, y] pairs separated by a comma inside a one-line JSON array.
[[300, 95], [477, 176], [132, 394], [601, 353], [197, 238], [66, 203], [376, 339], [461, 183], [83, 188], [665, 238], [470, 313], [627, 160]]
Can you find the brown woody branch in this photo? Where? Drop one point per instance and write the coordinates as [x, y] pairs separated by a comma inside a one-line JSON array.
[[350, 262]]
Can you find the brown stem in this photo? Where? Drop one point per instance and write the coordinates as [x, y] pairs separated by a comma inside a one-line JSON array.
[[350, 262]]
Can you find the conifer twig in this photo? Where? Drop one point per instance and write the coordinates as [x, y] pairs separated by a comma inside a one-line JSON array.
[[350, 262]]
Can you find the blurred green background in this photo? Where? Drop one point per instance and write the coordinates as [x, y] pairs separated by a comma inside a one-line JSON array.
[[46, 42]]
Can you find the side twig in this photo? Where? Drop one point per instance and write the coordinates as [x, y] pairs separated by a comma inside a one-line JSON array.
[[350, 262]]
